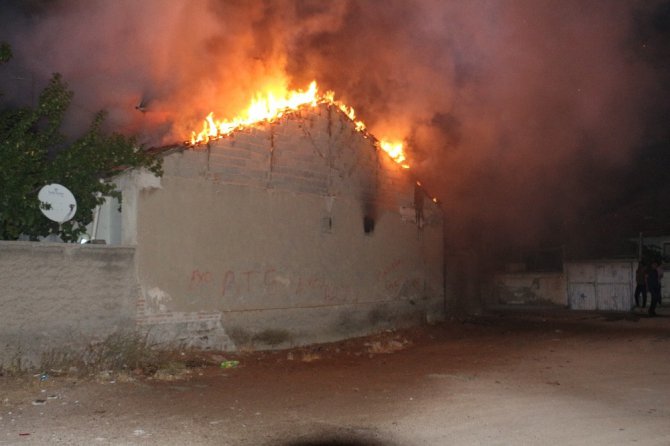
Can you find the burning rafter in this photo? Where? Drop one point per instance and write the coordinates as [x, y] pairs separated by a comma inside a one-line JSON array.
[[272, 106]]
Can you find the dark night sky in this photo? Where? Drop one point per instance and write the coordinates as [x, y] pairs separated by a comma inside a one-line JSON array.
[[536, 122]]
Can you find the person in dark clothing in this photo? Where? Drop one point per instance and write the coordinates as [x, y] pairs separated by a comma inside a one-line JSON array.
[[654, 287], [660, 282], [641, 284]]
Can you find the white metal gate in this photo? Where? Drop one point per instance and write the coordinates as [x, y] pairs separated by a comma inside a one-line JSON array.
[[601, 285]]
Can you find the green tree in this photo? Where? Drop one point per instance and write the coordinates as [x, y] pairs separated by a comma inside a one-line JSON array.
[[5, 52], [34, 153]]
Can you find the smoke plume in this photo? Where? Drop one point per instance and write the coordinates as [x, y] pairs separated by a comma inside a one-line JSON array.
[[517, 112]]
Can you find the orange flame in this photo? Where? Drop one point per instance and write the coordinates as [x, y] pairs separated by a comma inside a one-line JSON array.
[[395, 150], [271, 106]]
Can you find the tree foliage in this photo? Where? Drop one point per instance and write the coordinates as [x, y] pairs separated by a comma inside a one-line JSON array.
[[34, 153], [653, 253], [5, 52]]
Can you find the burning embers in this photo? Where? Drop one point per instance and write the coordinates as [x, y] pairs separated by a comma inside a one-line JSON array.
[[271, 106]]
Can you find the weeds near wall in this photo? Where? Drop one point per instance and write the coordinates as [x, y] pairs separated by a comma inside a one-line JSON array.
[[15, 364], [119, 351], [119, 357], [123, 351]]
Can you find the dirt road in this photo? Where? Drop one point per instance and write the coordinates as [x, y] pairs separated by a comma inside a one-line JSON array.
[[512, 378]]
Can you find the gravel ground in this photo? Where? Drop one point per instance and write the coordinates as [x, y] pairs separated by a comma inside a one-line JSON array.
[[525, 377]]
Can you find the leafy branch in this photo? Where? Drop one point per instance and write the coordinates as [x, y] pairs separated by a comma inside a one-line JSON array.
[[34, 153]]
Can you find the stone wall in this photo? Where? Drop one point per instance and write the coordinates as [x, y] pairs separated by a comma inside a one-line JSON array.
[[57, 298]]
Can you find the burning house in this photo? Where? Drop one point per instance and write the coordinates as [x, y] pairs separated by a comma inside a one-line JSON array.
[[291, 228], [296, 228]]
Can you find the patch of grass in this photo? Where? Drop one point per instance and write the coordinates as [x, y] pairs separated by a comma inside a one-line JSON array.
[[122, 351], [118, 352], [16, 365]]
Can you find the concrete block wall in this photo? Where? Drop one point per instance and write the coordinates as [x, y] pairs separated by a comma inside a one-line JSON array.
[[57, 298], [310, 151]]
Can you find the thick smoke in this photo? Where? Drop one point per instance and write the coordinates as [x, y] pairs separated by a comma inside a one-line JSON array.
[[517, 113]]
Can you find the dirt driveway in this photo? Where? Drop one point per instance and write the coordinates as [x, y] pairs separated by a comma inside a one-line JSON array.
[[509, 378]]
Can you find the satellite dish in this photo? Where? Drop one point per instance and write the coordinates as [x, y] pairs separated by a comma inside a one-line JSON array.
[[60, 202]]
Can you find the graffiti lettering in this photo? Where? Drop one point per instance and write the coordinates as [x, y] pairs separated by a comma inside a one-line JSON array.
[[228, 282], [268, 278], [199, 278], [249, 275], [238, 284], [390, 276]]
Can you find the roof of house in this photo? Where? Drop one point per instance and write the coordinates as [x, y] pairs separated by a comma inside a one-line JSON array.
[[374, 142]]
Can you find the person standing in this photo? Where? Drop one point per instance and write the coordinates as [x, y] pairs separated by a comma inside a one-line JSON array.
[[659, 268], [641, 284], [654, 287]]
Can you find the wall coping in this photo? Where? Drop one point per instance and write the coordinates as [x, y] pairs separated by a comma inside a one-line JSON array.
[[63, 246]]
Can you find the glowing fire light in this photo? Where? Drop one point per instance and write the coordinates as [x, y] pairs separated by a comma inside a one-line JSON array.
[[395, 150], [272, 106]]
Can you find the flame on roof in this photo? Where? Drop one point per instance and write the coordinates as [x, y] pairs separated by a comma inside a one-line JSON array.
[[272, 105]]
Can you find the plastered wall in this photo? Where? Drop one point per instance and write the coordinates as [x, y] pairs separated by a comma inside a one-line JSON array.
[[291, 233]]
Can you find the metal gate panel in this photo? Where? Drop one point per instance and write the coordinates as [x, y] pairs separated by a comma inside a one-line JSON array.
[[614, 286], [601, 285]]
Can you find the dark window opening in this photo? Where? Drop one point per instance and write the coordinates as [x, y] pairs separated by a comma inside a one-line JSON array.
[[368, 224]]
